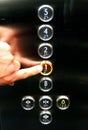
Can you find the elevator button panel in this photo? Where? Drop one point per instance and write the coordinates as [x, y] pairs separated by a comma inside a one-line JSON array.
[[45, 117], [63, 102], [45, 102], [46, 84], [45, 32], [45, 50], [28, 102], [46, 13], [47, 67]]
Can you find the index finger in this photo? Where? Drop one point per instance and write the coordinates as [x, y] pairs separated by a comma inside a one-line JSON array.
[[23, 74], [28, 62]]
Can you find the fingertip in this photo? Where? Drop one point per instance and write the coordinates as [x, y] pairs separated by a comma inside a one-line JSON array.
[[27, 72], [39, 68]]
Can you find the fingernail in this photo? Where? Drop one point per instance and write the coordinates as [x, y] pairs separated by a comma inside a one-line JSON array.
[[39, 67]]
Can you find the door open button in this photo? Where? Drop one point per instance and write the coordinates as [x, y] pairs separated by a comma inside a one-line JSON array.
[[47, 68]]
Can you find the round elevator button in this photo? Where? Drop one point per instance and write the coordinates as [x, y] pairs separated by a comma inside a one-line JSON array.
[[45, 50], [45, 117], [46, 84], [45, 13], [45, 102], [45, 32], [47, 67], [28, 102], [63, 102]]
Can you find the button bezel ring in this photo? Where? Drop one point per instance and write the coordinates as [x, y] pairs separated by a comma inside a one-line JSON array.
[[41, 31], [28, 98], [45, 47], [40, 9], [46, 62]]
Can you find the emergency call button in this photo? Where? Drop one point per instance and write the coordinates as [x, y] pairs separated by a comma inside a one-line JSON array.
[[47, 67]]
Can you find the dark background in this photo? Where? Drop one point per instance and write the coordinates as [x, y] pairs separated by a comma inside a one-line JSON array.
[[70, 62]]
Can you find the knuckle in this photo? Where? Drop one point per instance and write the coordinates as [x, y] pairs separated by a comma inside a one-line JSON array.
[[17, 65], [7, 80]]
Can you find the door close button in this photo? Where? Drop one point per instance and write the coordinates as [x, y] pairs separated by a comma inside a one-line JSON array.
[[45, 102]]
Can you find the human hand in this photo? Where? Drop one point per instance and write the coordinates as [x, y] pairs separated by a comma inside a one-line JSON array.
[[10, 66]]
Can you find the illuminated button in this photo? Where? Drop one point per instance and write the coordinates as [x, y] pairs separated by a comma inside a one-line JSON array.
[[45, 102], [28, 102], [45, 13], [46, 84], [45, 32], [45, 117], [47, 67], [45, 50], [63, 102]]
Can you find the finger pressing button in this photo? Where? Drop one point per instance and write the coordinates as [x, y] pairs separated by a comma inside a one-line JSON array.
[[47, 67]]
